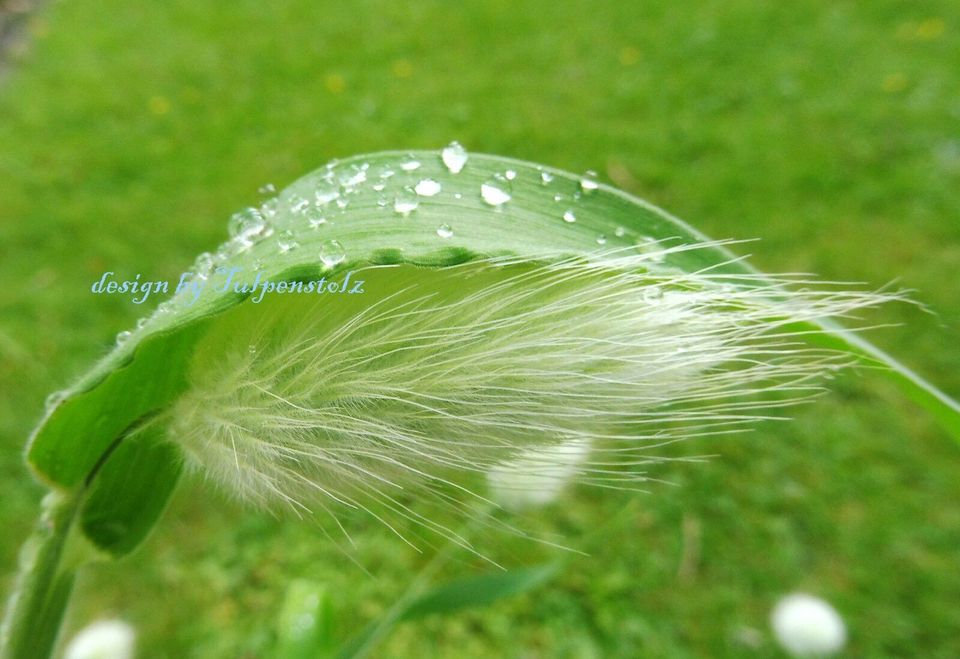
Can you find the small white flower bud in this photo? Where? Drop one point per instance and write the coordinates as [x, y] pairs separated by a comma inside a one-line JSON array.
[[104, 639], [537, 475], [807, 626]]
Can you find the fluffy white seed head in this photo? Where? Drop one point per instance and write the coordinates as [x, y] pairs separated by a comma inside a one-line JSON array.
[[536, 476], [412, 393], [807, 626], [104, 639]]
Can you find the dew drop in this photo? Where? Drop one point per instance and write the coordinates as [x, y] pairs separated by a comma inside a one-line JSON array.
[[257, 265], [558, 197], [267, 189], [568, 216], [454, 156], [510, 175], [353, 176], [428, 187], [546, 178], [247, 222], [342, 203], [325, 193], [204, 263], [270, 207], [332, 253], [406, 201], [238, 245], [588, 182], [298, 204], [122, 337], [619, 232], [496, 191], [386, 172], [141, 323], [445, 231], [410, 165], [286, 242], [378, 187], [601, 239], [315, 218]]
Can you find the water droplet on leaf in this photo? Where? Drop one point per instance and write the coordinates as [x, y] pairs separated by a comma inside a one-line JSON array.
[[445, 231], [352, 176], [428, 187], [247, 222], [496, 191], [454, 156], [406, 201], [332, 253], [325, 193], [203, 263], [588, 182], [270, 207], [315, 218], [298, 204], [286, 242]]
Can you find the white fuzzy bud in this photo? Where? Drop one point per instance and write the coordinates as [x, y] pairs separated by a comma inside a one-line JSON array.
[[536, 476], [807, 626], [104, 639]]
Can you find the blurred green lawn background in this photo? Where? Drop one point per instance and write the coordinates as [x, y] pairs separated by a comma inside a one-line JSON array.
[[130, 131]]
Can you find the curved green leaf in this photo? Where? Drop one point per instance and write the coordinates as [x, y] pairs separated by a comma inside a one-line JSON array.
[[370, 210]]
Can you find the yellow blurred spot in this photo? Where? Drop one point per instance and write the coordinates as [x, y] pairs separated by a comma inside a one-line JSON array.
[[335, 83], [895, 82], [402, 68], [38, 27], [925, 30], [158, 105], [629, 56], [931, 29]]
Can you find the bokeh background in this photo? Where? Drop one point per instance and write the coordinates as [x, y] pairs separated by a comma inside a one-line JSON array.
[[830, 130]]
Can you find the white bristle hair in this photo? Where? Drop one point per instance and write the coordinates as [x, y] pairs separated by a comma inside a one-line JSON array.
[[419, 394]]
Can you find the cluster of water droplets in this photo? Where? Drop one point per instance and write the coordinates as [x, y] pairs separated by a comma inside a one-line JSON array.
[[401, 188], [568, 204]]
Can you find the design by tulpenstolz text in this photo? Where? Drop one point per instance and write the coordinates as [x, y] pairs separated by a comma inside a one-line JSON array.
[[223, 280]]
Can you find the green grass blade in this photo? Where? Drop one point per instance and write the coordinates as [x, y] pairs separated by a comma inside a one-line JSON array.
[[477, 591], [481, 590], [130, 491]]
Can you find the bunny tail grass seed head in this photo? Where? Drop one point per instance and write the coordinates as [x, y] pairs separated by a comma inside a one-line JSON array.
[[437, 388]]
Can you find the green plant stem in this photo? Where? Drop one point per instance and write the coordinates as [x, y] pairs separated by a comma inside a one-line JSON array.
[[44, 583]]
